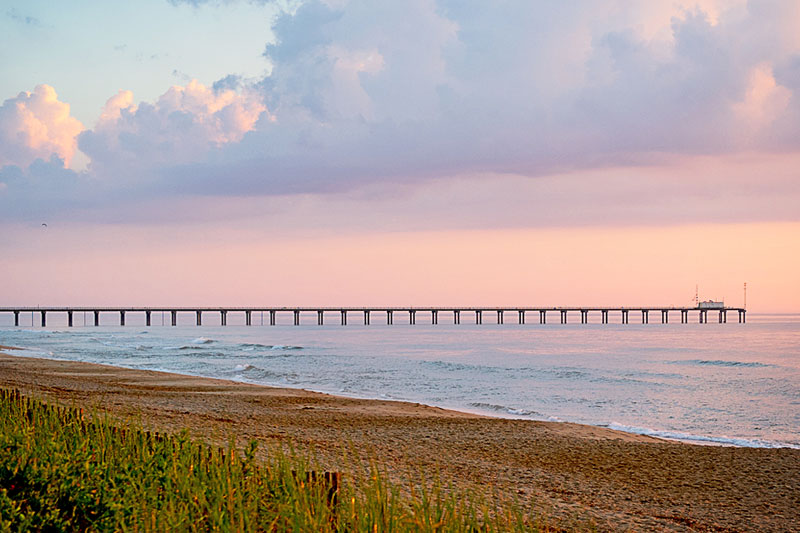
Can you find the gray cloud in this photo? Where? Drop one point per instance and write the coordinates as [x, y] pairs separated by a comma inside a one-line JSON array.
[[395, 93]]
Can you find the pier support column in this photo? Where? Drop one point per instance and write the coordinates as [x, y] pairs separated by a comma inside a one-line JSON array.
[[44, 319], [320, 319], [296, 318], [122, 318], [720, 317], [366, 318], [584, 316], [521, 317], [604, 316], [389, 318], [457, 317], [684, 316], [412, 317], [147, 318], [499, 317], [724, 316], [174, 317], [223, 318], [344, 318], [199, 318], [563, 317], [272, 318], [624, 316], [69, 318], [741, 316], [16, 318], [434, 317], [97, 318], [703, 318], [664, 316], [478, 317], [248, 318], [542, 316], [645, 316]]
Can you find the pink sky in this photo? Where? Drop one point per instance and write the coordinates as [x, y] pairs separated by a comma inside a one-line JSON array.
[[420, 153]]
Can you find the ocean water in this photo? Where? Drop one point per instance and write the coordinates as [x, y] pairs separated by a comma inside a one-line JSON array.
[[730, 384]]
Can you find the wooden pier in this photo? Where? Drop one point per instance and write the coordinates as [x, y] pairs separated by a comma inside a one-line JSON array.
[[387, 314]]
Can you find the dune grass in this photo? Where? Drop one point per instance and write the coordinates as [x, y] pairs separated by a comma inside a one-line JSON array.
[[61, 470]]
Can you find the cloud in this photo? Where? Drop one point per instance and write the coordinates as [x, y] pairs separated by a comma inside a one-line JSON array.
[[36, 125], [362, 93], [182, 126], [43, 189]]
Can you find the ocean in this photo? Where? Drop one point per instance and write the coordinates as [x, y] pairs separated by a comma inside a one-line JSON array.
[[725, 384]]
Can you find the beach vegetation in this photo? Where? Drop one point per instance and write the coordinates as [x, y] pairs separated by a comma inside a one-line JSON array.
[[62, 469]]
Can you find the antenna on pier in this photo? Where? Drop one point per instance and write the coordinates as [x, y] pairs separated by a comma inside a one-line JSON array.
[[745, 295], [696, 295]]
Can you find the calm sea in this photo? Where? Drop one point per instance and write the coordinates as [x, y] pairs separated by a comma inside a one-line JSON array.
[[736, 384]]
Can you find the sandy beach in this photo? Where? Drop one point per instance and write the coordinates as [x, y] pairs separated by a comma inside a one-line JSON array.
[[578, 476]]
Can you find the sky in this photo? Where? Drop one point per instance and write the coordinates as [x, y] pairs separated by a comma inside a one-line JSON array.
[[427, 152]]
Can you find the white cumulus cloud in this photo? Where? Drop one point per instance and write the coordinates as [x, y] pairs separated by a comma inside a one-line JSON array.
[[180, 127], [36, 125]]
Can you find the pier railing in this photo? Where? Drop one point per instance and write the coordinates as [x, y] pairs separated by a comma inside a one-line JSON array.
[[387, 314]]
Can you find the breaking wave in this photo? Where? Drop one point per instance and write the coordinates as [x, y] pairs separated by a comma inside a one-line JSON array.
[[703, 439], [715, 362], [483, 406], [252, 346]]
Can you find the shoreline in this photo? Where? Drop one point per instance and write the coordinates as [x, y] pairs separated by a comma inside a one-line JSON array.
[[659, 434], [576, 475]]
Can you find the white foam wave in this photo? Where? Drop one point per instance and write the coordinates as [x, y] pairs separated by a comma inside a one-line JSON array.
[[503, 409], [703, 439]]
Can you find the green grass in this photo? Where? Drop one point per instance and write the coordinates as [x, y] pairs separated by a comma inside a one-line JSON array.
[[61, 470]]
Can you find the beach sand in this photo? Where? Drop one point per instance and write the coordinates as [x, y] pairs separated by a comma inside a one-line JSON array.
[[578, 476]]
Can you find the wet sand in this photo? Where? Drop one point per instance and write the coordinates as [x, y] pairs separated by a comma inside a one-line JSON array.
[[578, 476]]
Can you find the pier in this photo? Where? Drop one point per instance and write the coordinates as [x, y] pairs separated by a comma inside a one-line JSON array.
[[169, 315]]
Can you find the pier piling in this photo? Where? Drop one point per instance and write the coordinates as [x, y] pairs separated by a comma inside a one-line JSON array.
[[499, 312]]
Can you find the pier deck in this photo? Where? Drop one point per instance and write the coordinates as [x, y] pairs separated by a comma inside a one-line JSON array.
[[387, 313]]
